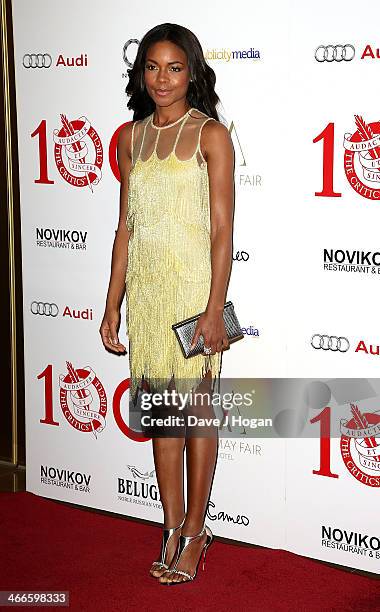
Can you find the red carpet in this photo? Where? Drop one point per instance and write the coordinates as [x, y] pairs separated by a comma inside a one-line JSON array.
[[103, 561]]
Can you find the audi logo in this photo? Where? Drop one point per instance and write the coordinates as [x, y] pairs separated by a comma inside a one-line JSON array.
[[330, 343], [335, 53], [37, 60], [44, 308]]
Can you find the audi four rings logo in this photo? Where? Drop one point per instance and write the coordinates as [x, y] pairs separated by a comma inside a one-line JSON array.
[[335, 53], [44, 308], [330, 343], [37, 60]]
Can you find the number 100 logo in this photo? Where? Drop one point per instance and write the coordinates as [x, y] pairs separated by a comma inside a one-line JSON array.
[[361, 159]]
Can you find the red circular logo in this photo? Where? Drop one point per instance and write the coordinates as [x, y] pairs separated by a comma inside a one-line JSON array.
[[83, 399], [78, 152], [360, 446], [362, 158]]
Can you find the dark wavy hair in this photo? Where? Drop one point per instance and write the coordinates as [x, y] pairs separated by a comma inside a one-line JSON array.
[[201, 91]]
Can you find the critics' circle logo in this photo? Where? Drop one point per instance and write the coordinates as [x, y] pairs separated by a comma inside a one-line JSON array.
[[78, 152], [362, 158], [360, 447], [83, 399]]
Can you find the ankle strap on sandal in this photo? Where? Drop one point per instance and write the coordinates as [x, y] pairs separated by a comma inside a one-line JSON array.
[[173, 529], [190, 538]]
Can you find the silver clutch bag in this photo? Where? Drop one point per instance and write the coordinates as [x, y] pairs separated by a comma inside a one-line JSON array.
[[184, 330]]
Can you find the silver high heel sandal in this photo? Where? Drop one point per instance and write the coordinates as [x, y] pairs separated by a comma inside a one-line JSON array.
[[167, 534], [184, 541]]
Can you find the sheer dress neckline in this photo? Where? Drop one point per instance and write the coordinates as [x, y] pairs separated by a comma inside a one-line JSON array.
[[164, 144], [163, 127]]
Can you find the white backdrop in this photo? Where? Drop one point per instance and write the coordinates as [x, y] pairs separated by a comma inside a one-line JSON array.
[[79, 447]]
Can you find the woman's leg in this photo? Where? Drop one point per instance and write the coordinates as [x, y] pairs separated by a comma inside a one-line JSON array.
[[201, 454], [168, 459]]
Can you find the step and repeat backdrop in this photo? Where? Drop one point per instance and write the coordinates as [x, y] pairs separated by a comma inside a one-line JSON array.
[[298, 93]]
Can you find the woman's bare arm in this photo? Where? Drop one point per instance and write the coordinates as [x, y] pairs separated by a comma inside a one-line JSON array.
[[116, 289], [217, 149], [219, 153]]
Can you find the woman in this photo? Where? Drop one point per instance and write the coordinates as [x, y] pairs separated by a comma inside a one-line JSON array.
[[173, 249]]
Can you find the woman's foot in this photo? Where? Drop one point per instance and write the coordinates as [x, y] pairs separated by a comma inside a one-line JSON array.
[[188, 561], [157, 570]]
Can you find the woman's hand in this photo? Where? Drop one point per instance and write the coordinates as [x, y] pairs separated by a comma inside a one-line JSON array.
[[211, 326], [108, 331]]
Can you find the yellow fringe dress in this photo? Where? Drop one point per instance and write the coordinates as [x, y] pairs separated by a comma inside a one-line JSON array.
[[169, 252]]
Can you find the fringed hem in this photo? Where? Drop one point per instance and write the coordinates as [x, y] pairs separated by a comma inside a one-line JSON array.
[[183, 385]]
